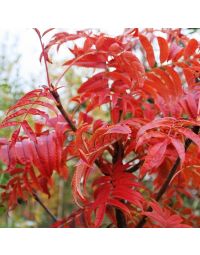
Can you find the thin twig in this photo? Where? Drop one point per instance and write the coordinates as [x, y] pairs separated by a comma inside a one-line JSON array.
[[45, 61], [37, 198], [73, 62], [62, 110], [52, 90]]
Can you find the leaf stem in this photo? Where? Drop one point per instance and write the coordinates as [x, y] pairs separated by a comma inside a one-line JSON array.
[[52, 90], [45, 61]]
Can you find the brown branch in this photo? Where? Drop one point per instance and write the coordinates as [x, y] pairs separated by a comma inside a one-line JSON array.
[[37, 198], [121, 220], [62, 110], [118, 154], [172, 172], [135, 167]]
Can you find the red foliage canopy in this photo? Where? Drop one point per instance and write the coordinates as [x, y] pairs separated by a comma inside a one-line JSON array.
[[144, 161]]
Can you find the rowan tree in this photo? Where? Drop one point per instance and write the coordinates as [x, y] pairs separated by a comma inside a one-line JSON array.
[[137, 167]]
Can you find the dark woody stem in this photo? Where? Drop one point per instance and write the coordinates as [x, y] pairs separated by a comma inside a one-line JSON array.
[[118, 154], [61, 109]]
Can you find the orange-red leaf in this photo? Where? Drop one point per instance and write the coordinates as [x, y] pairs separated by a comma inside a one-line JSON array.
[[190, 48], [191, 135], [155, 156], [164, 49], [163, 217], [148, 49], [180, 148], [118, 204]]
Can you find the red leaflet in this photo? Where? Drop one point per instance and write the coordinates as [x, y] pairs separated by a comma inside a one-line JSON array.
[[163, 218], [155, 157], [179, 148], [25, 112], [47, 31], [175, 52], [148, 49], [28, 131], [91, 59], [14, 115], [190, 48], [119, 129], [99, 215], [189, 76], [25, 102], [131, 196], [164, 49], [166, 80], [9, 124], [100, 140], [176, 80], [119, 76], [131, 64], [191, 170], [189, 134], [87, 44], [37, 31], [81, 172], [104, 43], [97, 83], [118, 204], [164, 122], [14, 138]]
